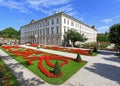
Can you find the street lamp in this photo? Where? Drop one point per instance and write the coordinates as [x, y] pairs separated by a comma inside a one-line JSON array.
[[36, 36]]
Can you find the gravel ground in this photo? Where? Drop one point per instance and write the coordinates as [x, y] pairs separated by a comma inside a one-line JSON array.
[[101, 70]]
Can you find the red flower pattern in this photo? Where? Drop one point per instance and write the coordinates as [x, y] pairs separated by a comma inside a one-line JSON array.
[[17, 51]]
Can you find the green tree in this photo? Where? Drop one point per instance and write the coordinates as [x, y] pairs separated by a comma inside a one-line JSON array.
[[115, 34], [104, 37], [10, 33], [78, 59], [74, 36], [57, 69]]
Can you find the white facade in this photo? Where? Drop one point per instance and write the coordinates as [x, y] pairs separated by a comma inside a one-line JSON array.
[[50, 30]]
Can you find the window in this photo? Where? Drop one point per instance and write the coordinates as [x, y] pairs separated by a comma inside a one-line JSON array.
[[52, 22], [64, 21], [80, 26], [57, 20], [67, 22], [76, 25], [48, 23], [64, 29], [40, 24], [47, 30], [43, 31], [43, 24], [57, 29], [52, 28], [72, 23], [39, 32]]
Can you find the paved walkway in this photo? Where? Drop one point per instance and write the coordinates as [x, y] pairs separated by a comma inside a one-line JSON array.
[[101, 70]]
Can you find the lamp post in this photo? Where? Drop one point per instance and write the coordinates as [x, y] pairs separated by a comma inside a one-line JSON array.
[[37, 41], [36, 38]]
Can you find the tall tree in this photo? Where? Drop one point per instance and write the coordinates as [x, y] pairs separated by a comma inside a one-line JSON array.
[[104, 37], [10, 33], [115, 34], [74, 36]]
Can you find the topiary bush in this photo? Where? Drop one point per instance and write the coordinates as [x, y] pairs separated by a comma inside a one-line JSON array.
[[57, 69], [90, 52], [95, 49], [78, 59]]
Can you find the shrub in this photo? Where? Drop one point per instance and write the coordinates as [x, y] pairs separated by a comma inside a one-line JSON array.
[[1, 82], [57, 69], [1, 74], [78, 59], [90, 52], [94, 49]]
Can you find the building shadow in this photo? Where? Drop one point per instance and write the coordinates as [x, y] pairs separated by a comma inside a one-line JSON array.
[[107, 71], [113, 59], [20, 76], [7, 58], [105, 52], [28, 82]]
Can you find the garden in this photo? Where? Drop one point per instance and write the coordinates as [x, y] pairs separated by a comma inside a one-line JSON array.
[[69, 50], [52, 68]]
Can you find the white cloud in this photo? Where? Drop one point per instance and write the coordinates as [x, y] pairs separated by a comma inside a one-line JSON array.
[[106, 21], [45, 6], [103, 29], [13, 5], [46, 3], [67, 8]]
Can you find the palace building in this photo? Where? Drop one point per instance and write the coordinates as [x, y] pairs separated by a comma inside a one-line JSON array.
[[50, 30]]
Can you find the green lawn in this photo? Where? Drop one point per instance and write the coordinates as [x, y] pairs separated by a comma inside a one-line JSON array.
[[69, 69], [11, 77]]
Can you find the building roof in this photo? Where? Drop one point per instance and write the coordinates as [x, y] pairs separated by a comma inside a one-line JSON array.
[[60, 13]]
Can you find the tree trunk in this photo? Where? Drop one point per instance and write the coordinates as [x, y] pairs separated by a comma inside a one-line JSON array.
[[73, 43]]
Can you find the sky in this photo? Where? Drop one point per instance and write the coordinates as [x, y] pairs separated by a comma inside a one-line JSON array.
[[100, 13]]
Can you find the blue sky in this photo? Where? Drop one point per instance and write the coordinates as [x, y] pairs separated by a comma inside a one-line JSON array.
[[100, 13]]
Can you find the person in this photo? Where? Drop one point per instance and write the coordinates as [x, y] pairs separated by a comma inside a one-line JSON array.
[[38, 46]]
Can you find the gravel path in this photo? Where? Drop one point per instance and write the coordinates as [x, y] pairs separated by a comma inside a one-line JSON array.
[[101, 70]]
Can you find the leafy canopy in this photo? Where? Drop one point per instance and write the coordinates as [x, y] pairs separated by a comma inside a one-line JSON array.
[[9, 33], [74, 36], [104, 37], [115, 34]]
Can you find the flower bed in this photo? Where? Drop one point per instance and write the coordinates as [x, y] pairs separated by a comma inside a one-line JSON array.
[[25, 54], [42, 63], [80, 51]]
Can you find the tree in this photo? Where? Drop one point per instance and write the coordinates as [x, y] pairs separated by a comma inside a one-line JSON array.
[[10, 33], [104, 37], [57, 69], [115, 34], [78, 59], [74, 36]]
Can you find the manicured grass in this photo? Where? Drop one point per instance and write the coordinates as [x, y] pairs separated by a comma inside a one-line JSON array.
[[11, 77], [95, 53], [69, 69]]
